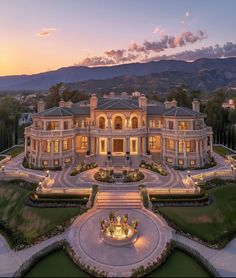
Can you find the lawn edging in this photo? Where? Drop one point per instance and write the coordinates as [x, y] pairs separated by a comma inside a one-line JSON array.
[[198, 257]]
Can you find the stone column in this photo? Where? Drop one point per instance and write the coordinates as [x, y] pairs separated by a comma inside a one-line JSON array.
[[73, 149], [176, 152], [139, 145], [185, 154], [127, 122], [109, 123], [197, 142], [61, 152], [164, 149]]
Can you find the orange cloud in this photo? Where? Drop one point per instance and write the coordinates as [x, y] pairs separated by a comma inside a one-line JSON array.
[[45, 32]]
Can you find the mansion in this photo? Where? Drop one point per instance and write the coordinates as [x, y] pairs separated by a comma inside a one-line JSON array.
[[124, 126]]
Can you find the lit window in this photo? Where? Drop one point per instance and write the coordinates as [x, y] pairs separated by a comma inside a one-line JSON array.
[[183, 125], [102, 122], [68, 160], [159, 124], [170, 144], [181, 162], [84, 142], [134, 122], [133, 146], [56, 146], [48, 147], [52, 125], [45, 163], [103, 146], [152, 142], [171, 125], [65, 145], [192, 162], [56, 162], [66, 125], [181, 146], [169, 159], [152, 124]]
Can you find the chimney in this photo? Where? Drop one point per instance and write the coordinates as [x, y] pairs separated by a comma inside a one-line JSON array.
[[68, 104], [93, 101], [40, 106], [62, 103], [167, 104], [173, 103], [196, 105], [143, 101]]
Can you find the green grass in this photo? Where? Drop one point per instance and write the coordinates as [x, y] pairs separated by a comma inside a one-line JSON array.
[[57, 264], [208, 222], [30, 221], [221, 150], [179, 265], [2, 157], [14, 151]]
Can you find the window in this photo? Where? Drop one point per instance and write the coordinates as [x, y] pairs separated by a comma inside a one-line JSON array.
[[56, 146], [66, 144], [102, 122], [33, 144], [68, 160], [152, 123], [45, 163], [52, 125], [66, 125], [181, 162], [48, 146], [134, 146], [134, 122], [183, 125], [84, 142], [169, 159], [190, 146], [56, 162], [170, 144], [152, 142], [192, 162], [171, 125], [159, 124], [118, 122], [181, 146], [103, 149]]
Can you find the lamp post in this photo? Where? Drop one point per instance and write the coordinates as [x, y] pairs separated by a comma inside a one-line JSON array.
[[3, 167], [189, 175], [232, 167], [47, 173]]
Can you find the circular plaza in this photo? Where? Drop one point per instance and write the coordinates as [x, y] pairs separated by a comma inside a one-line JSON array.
[[120, 261]]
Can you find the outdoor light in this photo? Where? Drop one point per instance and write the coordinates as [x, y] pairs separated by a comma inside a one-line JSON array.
[[3, 167], [189, 173], [47, 173], [40, 183], [232, 167]]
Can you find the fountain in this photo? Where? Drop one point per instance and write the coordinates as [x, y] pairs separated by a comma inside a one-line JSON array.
[[117, 231]]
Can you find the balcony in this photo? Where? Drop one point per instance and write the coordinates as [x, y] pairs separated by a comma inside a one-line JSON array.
[[121, 132], [186, 133], [31, 131]]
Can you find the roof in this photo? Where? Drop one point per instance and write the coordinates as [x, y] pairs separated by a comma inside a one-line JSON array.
[[57, 111], [156, 109], [181, 112], [118, 104]]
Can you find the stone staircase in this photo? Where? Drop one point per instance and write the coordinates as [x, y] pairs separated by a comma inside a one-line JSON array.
[[118, 200], [118, 161]]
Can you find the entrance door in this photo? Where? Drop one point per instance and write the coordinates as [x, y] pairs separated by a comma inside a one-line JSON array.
[[118, 145]]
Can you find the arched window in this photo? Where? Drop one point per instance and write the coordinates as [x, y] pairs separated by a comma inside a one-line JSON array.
[[134, 122], [102, 122], [118, 122]]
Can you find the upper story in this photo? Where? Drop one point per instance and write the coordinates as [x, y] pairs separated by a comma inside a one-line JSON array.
[[116, 115]]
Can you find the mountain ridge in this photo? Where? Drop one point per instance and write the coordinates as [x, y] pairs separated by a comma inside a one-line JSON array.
[[44, 80]]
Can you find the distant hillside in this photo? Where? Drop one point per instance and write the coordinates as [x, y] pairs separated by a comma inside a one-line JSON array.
[[204, 80], [203, 72]]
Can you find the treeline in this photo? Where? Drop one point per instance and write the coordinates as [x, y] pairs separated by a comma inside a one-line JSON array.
[[10, 110]]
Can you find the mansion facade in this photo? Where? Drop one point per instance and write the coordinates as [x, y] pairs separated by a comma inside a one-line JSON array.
[[118, 126]]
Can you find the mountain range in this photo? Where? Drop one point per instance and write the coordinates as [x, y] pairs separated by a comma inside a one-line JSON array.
[[205, 74]]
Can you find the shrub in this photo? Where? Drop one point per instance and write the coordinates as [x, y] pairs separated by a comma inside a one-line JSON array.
[[93, 194], [81, 167], [155, 167], [144, 196]]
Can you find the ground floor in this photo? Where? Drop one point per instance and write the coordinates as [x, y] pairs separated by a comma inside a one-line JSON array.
[[183, 153]]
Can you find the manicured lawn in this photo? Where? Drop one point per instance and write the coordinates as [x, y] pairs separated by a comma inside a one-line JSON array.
[[179, 265], [57, 264], [2, 157], [30, 221], [14, 151], [208, 222], [222, 150]]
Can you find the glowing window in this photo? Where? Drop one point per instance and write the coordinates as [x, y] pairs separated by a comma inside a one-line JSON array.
[[134, 122]]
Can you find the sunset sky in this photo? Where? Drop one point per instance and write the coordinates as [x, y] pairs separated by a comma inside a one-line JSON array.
[[37, 36]]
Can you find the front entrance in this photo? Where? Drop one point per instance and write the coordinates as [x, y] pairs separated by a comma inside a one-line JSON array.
[[118, 146]]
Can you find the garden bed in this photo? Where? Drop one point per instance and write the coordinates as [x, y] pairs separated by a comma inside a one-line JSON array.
[[222, 151], [14, 151], [155, 167], [83, 167]]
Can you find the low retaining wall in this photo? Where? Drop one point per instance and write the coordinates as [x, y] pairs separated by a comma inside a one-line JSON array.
[[4, 160], [164, 191], [72, 191], [223, 174]]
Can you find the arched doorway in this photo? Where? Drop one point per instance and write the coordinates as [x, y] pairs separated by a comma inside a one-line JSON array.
[[118, 122], [134, 122], [101, 122]]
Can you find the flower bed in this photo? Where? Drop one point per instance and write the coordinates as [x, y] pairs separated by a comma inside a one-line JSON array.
[[155, 167], [104, 175], [83, 167]]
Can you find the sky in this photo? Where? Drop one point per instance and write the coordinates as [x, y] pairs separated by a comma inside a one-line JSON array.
[[42, 35]]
